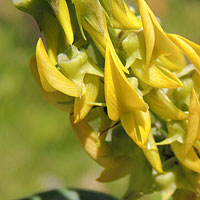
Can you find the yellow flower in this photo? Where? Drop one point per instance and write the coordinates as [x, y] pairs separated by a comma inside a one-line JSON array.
[[156, 40], [161, 104], [191, 50], [51, 78], [61, 11], [120, 16], [75, 64], [176, 139], [158, 73], [137, 125], [56, 98], [120, 95], [51, 30], [90, 15]]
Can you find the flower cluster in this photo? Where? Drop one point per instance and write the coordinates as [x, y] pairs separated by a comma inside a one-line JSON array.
[[132, 91]]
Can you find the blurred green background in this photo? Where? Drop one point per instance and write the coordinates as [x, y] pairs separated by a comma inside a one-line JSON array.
[[38, 149]]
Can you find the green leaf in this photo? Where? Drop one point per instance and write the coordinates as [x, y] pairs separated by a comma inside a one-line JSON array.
[[70, 194]]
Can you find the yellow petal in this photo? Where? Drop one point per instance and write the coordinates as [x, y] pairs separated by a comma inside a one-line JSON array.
[[155, 76], [121, 15], [89, 140], [137, 125], [119, 94], [191, 50], [196, 80], [166, 63], [159, 103], [193, 121], [152, 154], [190, 160], [56, 98], [50, 28], [53, 76], [63, 16], [82, 104], [157, 42]]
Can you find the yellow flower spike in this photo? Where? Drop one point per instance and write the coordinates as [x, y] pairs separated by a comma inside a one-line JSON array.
[[191, 50], [155, 75], [159, 103], [53, 76], [152, 154], [120, 16], [193, 129], [82, 104], [57, 99], [88, 138], [50, 28], [62, 13], [137, 125], [119, 94]]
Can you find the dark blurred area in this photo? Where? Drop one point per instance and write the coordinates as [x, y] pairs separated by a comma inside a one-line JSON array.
[[38, 149]]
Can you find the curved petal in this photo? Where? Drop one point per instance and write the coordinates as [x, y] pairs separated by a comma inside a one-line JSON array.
[[190, 160], [56, 98], [191, 50], [152, 154], [83, 104], [155, 76], [51, 29], [53, 76], [119, 94], [157, 42], [120, 16], [193, 122], [62, 13], [137, 125], [159, 103]]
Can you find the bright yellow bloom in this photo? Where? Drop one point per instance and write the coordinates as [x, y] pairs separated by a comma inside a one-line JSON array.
[[56, 98], [51, 30], [51, 78], [62, 13], [120, 16], [156, 40], [137, 125], [158, 74], [160, 103], [191, 50], [120, 95]]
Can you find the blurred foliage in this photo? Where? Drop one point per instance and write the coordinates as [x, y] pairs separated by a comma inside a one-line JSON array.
[[38, 150]]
